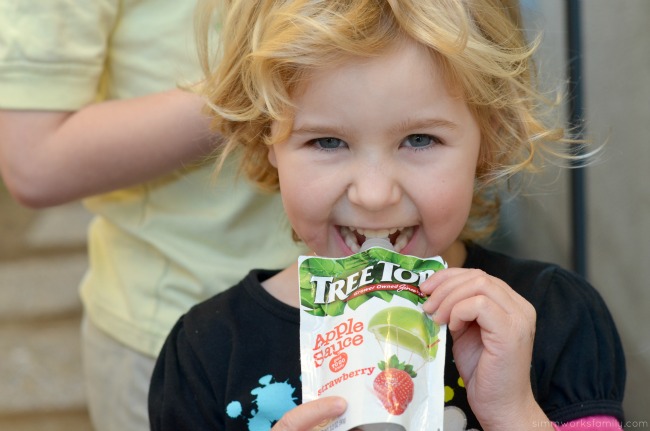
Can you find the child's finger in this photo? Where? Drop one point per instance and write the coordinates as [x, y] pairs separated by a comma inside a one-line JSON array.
[[440, 283], [480, 309], [312, 415], [461, 284]]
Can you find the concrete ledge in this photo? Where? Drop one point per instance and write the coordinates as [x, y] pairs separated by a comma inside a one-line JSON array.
[[73, 420], [38, 287], [61, 226], [40, 366]]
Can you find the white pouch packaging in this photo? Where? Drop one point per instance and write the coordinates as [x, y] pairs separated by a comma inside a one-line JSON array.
[[364, 337]]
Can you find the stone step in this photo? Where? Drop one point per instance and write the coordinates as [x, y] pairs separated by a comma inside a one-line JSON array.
[[63, 227], [40, 366], [42, 260], [40, 351], [24, 232], [37, 287], [72, 420], [40, 315]]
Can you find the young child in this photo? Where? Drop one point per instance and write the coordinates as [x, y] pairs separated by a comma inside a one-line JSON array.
[[378, 117]]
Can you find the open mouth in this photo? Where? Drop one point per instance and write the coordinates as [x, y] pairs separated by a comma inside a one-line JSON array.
[[355, 237]]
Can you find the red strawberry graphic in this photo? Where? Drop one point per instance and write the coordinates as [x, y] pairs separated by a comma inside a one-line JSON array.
[[394, 385]]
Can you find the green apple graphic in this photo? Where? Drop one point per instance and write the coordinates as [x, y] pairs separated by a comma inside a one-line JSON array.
[[408, 328]]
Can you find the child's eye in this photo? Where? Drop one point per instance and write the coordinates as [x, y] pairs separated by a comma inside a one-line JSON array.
[[328, 143], [420, 141]]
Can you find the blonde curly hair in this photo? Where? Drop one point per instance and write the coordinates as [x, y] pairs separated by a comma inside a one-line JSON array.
[[269, 47]]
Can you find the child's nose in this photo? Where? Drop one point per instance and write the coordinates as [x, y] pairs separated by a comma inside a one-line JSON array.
[[374, 188]]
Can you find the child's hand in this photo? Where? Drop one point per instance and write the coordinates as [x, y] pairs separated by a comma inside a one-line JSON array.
[[493, 330], [311, 415]]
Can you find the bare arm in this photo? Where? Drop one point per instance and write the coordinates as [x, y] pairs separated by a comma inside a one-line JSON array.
[[49, 158]]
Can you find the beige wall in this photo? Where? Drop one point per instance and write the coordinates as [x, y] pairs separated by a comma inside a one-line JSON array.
[[616, 60]]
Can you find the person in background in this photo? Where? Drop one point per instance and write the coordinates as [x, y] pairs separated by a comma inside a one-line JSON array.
[[400, 116], [91, 107]]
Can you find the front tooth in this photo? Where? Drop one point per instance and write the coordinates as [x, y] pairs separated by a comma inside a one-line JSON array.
[[400, 243], [350, 239], [383, 233], [403, 238], [347, 233], [374, 233], [352, 243]]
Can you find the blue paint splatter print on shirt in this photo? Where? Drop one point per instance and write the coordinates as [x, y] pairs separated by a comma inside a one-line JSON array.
[[273, 400]]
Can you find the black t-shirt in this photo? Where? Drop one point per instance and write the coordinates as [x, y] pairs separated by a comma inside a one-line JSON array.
[[233, 361]]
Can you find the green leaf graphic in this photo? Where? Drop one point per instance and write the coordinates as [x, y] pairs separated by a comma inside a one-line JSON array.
[[317, 311], [423, 265], [382, 294], [381, 254], [406, 262], [355, 263], [306, 298], [393, 362], [410, 296], [334, 308], [324, 267], [305, 279], [432, 328], [354, 303]]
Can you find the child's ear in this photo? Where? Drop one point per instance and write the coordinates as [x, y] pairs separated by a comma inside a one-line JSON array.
[[271, 155]]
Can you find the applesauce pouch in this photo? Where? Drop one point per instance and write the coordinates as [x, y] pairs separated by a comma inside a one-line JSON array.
[[364, 337]]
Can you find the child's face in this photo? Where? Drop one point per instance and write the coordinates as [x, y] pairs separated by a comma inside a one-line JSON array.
[[379, 146]]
